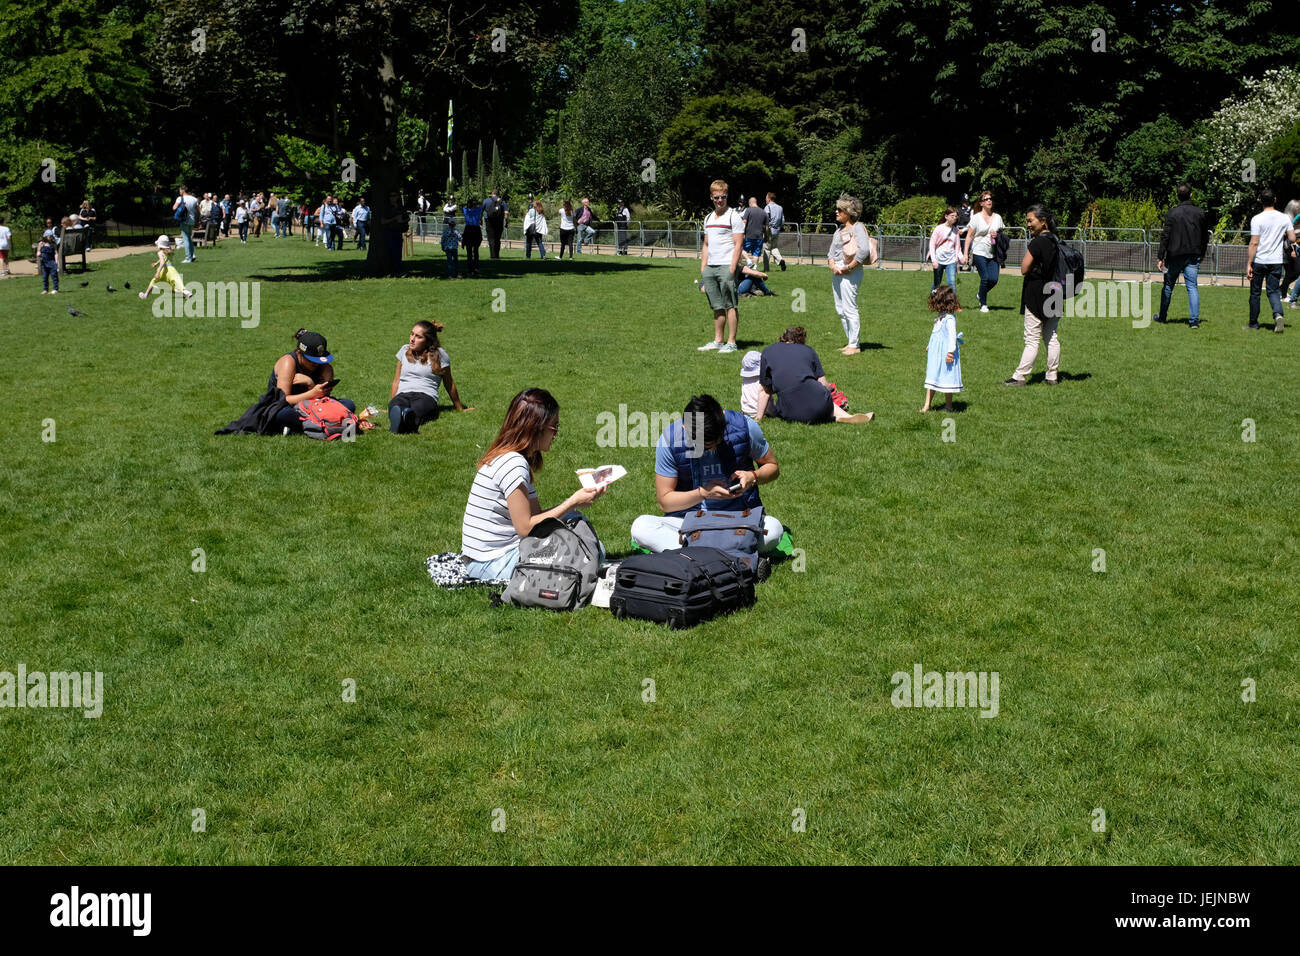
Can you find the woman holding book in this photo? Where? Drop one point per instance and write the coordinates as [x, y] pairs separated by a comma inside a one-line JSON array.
[[503, 507]]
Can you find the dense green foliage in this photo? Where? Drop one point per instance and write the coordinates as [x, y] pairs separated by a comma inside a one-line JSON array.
[[1063, 102]]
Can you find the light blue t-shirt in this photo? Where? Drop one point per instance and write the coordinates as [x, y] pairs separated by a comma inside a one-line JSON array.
[[710, 465]]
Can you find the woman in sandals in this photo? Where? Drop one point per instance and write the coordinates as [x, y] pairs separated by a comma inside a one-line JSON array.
[[850, 248]]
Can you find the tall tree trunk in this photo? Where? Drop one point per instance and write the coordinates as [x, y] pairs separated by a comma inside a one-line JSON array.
[[383, 164]]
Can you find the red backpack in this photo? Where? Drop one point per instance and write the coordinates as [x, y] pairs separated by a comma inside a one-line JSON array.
[[327, 418]]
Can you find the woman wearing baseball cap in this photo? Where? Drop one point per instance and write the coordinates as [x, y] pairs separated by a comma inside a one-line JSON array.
[[306, 372]]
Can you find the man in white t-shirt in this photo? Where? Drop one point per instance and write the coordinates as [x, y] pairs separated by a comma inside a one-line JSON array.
[[724, 232], [1265, 258], [188, 219]]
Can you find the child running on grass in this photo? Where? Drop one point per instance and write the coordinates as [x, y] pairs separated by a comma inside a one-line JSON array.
[[166, 272], [943, 354]]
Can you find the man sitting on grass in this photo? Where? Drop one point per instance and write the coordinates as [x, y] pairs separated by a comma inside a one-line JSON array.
[[698, 461]]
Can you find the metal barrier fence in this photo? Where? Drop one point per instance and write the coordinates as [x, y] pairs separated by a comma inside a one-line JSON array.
[[1105, 250]]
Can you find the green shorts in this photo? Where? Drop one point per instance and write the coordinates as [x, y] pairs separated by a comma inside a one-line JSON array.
[[719, 284]]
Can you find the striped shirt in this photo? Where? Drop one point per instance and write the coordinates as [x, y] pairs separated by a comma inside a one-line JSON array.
[[487, 532], [721, 233]]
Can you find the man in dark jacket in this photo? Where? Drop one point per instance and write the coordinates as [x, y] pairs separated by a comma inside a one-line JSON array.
[[1182, 245]]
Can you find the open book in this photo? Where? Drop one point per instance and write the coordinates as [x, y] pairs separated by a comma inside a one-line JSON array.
[[604, 475]]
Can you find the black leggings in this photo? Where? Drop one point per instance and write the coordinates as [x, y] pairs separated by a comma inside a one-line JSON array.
[[417, 409], [566, 239]]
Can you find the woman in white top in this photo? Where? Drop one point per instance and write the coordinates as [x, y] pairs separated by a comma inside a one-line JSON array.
[[945, 250], [422, 365], [984, 227], [566, 228], [534, 230], [502, 507], [850, 247]]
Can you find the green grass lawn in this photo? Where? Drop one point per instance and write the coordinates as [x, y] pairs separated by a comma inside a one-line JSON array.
[[1119, 690]]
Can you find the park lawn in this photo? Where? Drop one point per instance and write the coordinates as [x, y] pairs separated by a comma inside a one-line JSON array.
[[1119, 690]]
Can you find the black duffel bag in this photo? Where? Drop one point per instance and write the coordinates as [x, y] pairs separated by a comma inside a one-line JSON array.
[[681, 588]]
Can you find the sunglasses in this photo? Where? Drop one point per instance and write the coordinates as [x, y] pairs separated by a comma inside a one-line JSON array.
[[719, 195]]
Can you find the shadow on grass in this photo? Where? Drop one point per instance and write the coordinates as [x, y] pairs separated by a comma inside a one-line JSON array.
[[433, 268]]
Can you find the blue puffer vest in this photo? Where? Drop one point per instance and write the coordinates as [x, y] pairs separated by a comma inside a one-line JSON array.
[[733, 453]]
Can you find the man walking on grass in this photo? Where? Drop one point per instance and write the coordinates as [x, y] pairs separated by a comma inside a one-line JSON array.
[[1264, 258], [1183, 242], [724, 231]]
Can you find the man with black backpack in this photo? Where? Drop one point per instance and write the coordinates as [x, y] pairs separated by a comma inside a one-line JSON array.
[[1041, 298]]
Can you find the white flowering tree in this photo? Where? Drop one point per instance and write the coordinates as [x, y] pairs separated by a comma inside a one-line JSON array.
[[1241, 132]]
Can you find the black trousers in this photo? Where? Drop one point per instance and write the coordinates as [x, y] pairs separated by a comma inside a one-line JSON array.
[[494, 239], [472, 238], [417, 409]]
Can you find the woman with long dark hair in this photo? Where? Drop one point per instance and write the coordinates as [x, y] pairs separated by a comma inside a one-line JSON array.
[[422, 366], [503, 507]]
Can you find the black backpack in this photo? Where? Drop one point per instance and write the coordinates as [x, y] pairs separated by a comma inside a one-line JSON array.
[[1069, 268]]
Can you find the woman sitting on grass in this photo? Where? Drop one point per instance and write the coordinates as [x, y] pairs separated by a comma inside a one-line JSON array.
[[502, 507], [306, 372], [422, 365]]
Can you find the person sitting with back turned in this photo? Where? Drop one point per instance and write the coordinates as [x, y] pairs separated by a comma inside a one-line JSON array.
[[794, 387], [698, 461]]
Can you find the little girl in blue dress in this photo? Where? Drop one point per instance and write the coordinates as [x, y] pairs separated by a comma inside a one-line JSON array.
[[943, 354]]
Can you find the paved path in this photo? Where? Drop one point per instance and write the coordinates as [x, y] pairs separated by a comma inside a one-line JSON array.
[[24, 267]]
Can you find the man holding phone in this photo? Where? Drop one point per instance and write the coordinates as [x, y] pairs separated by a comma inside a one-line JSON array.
[[711, 459]]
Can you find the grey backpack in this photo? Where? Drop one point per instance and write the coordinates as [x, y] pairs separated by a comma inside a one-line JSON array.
[[558, 565]]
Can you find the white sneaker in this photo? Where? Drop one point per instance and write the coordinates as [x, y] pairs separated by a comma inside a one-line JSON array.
[[727, 349], [984, 308], [710, 347]]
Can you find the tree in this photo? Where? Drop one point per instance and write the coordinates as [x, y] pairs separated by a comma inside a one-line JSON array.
[[614, 121], [745, 139], [1284, 159], [372, 65], [76, 80]]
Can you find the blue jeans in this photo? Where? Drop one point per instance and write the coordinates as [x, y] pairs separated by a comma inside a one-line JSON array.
[[949, 271], [988, 270], [49, 269], [453, 263], [187, 233], [585, 233], [1187, 266], [751, 284], [1273, 273], [361, 234], [275, 223], [497, 570], [528, 245]]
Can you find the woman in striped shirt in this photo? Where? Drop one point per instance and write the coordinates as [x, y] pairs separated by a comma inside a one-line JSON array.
[[503, 507]]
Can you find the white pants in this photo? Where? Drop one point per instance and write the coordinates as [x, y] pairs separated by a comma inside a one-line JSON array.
[[846, 302], [660, 533], [1036, 330]]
